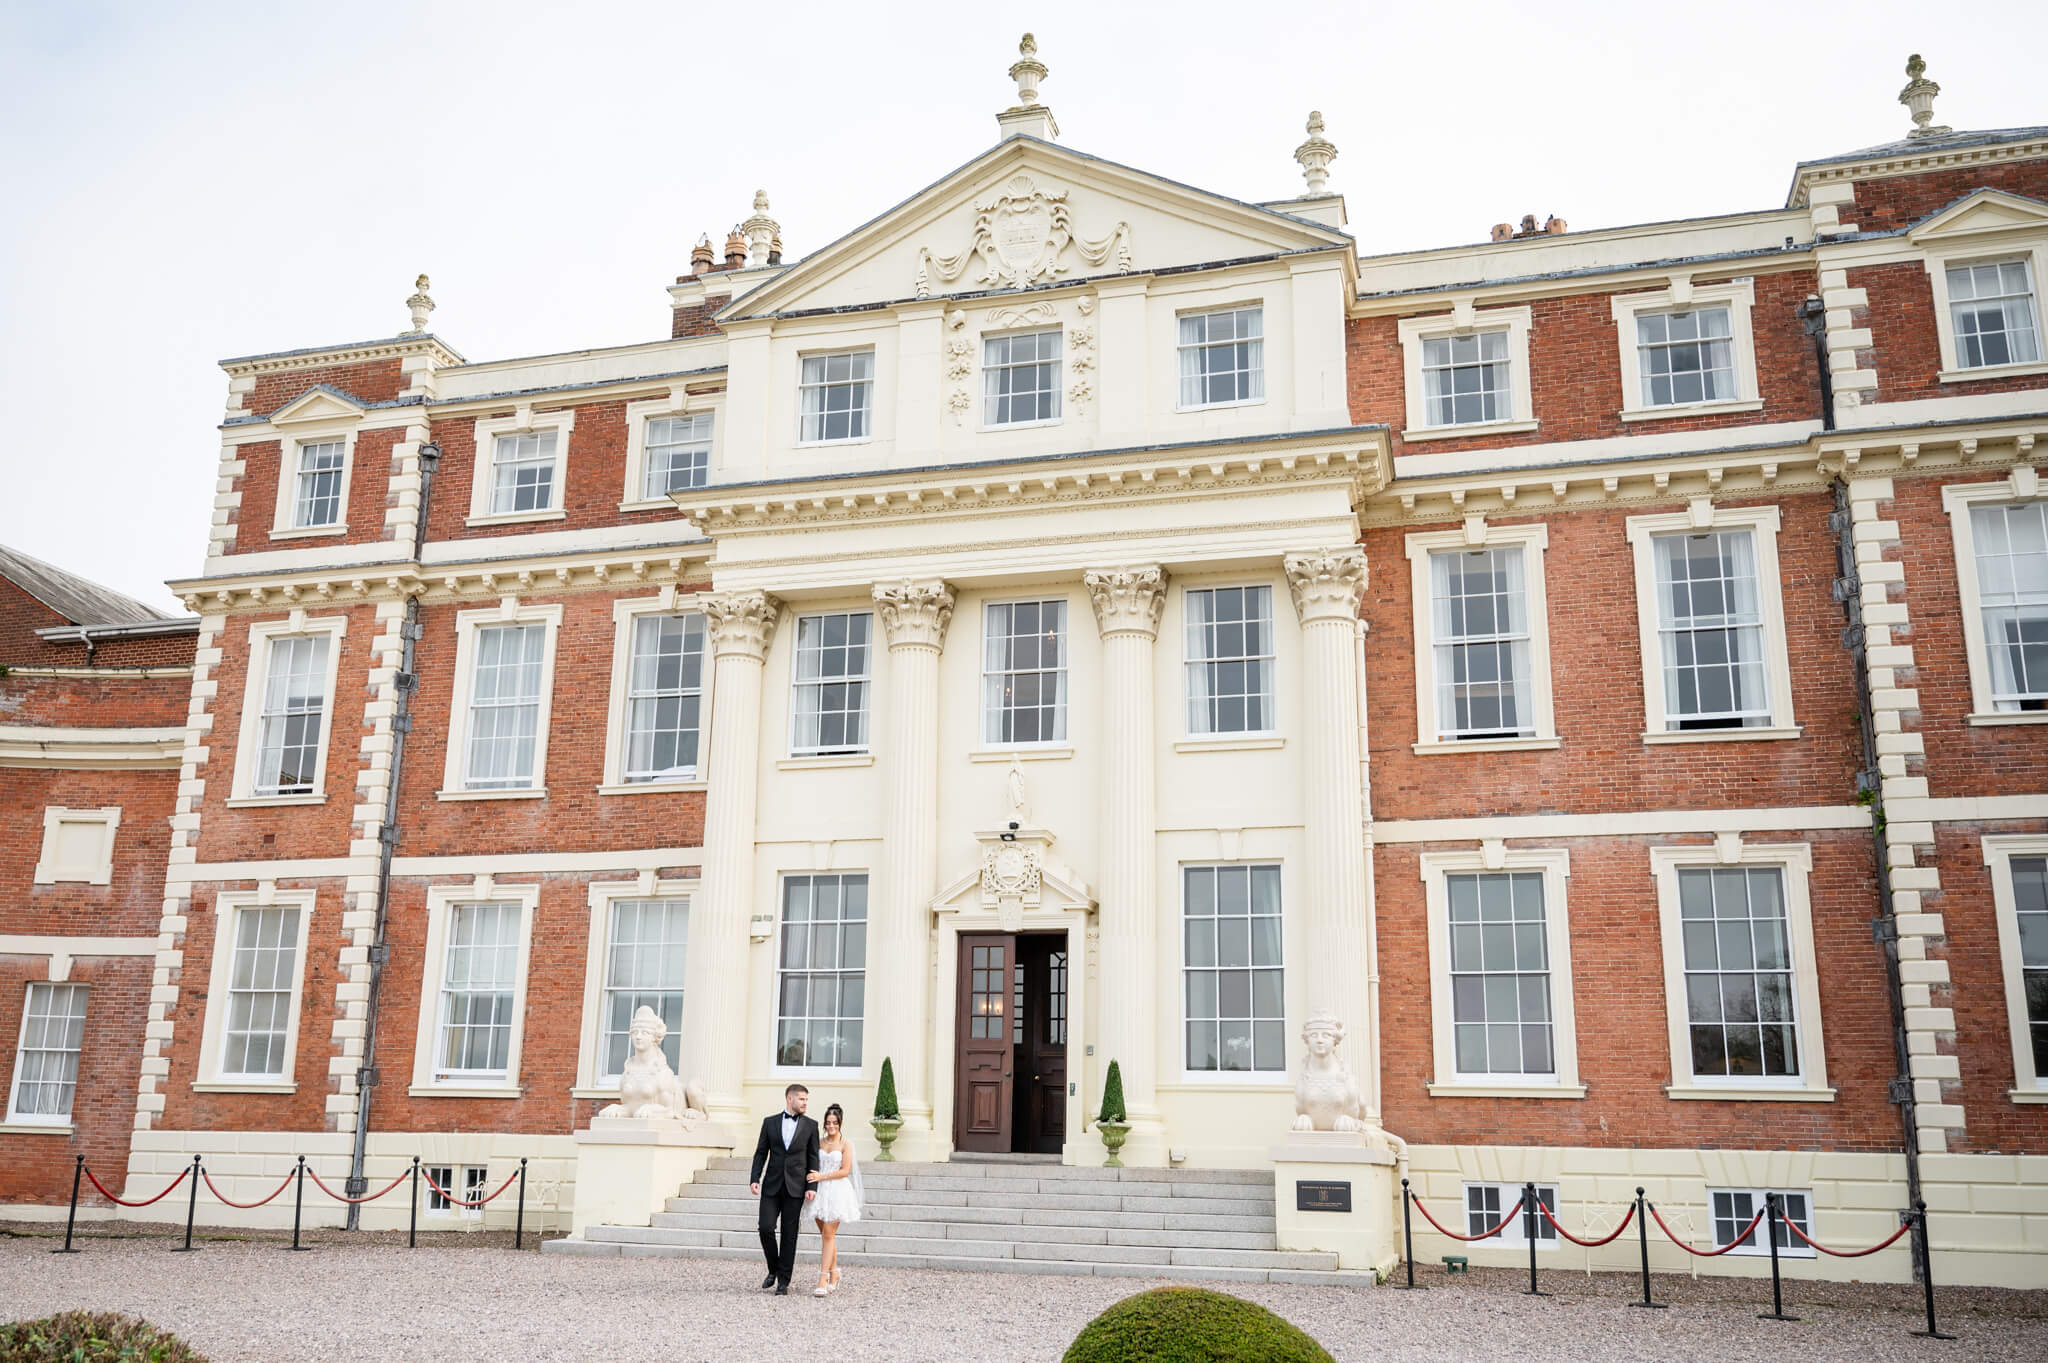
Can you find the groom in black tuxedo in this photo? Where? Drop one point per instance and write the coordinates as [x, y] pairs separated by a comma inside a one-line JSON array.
[[787, 1154]]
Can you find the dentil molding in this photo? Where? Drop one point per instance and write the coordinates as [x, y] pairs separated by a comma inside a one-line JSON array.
[[915, 614], [1328, 584], [1127, 600], [741, 622]]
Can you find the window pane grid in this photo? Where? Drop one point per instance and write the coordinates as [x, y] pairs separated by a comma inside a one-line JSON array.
[[1686, 357], [1024, 673], [523, 473], [2011, 544], [479, 969], [1740, 1005], [1500, 974], [665, 698], [837, 395], [644, 958], [1222, 357], [46, 1065], [1486, 1202], [1734, 1208], [2030, 900], [1020, 378], [1479, 606], [318, 499], [830, 713], [1232, 973], [260, 979], [821, 994], [293, 716], [1992, 307], [1710, 631], [678, 454], [1230, 660], [504, 706], [1465, 378]]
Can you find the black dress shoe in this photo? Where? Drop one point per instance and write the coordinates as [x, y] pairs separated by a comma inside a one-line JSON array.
[[782, 1289], [767, 1282]]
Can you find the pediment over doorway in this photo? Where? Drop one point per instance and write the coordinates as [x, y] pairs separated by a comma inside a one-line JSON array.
[[1015, 877]]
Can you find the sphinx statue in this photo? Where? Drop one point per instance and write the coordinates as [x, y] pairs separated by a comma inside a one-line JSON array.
[[1326, 1096], [647, 1086]]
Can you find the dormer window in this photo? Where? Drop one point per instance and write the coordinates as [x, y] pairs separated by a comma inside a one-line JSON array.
[[838, 396], [1021, 378], [1222, 357], [1991, 304]]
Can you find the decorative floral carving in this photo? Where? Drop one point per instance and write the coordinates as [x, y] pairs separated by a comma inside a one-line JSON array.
[[1012, 870], [1127, 600], [1327, 583], [915, 614], [1020, 235], [741, 622], [1079, 392]]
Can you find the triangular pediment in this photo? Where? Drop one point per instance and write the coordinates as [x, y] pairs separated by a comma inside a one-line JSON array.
[[1028, 214], [1988, 212], [317, 404]]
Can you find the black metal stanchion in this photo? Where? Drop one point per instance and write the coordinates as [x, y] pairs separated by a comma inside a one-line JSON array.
[[299, 1205], [1771, 1215], [191, 1208], [71, 1219], [1926, 1253], [1529, 1229], [1408, 1239], [412, 1229], [1643, 1240], [519, 1226]]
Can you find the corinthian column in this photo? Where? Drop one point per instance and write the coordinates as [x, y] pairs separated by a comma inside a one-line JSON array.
[[1327, 585], [715, 977], [1128, 602], [914, 618]]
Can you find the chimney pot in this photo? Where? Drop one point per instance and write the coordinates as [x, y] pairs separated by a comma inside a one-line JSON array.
[[701, 256], [736, 250], [1502, 231], [1555, 226]]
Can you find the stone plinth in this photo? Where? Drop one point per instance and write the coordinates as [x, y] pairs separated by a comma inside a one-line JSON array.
[[627, 1168], [1362, 1238]]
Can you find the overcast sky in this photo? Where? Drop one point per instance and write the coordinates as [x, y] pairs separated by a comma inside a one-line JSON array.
[[188, 182]]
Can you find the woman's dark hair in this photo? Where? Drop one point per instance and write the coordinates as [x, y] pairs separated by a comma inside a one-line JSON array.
[[836, 1111]]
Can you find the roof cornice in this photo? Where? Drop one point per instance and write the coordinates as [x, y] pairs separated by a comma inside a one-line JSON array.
[[1887, 162], [352, 352]]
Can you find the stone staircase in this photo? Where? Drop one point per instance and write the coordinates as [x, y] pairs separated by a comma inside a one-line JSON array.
[[1004, 1215]]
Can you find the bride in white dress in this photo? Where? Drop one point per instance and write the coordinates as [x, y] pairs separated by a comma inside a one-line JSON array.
[[839, 1198]]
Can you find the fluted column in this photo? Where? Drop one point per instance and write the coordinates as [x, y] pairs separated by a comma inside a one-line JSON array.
[[914, 618], [1328, 585], [1128, 602], [715, 978]]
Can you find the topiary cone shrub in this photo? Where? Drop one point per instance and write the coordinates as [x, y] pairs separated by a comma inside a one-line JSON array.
[[885, 1092], [1191, 1325], [91, 1337], [1113, 1096]]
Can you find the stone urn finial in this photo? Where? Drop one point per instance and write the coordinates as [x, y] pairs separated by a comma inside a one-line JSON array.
[[764, 234], [1918, 96], [421, 305], [1027, 71], [1315, 155]]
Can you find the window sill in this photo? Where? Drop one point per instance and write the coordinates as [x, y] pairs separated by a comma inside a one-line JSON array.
[[267, 801], [653, 787], [1049, 752], [308, 532], [1692, 409], [1991, 371], [1459, 1089], [1474, 428], [610, 1095], [2001, 717], [997, 428], [843, 1073], [661, 503], [19, 1128], [251, 1086], [1232, 1081], [1222, 406], [452, 1091], [820, 763], [1722, 735], [1491, 745], [516, 517], [531, 793], [1248, 744], [1749, 1095], [2017, 1095], [834, 444]]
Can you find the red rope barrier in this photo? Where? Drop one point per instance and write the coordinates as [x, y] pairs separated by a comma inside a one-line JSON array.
[[244, 1206], [371, 1198], [1467, 1238], [1589, 1244], [452, 1198], [1705, 1253], [1887, 1243], [123, 1201]]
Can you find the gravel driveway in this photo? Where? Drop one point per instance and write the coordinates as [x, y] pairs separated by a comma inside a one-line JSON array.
[[242, 1299]]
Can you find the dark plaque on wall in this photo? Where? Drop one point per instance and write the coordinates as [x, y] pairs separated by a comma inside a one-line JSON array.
[[1311, 1196]]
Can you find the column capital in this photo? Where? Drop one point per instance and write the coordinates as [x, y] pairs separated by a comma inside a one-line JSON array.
[[742, 623], [1127, 600], [915, 614], [1328, 584]]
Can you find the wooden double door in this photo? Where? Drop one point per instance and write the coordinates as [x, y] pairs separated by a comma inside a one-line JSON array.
[[1010, 1047]]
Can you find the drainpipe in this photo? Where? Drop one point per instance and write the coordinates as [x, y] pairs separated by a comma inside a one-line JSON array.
[[407, 683], [1813, 315], [1870, 791]]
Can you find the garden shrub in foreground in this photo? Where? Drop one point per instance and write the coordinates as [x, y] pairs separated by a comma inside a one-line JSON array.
[[91, 1337], [1191, 1325]]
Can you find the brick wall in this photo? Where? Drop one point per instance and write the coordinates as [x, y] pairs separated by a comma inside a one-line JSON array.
[[21, 615], [369, 493], [129, 905], [36, 1168], [366, 381], [695, 319], [95, 702], [1884, 205], [1983, 1037], [1905, 348], [590, 495]]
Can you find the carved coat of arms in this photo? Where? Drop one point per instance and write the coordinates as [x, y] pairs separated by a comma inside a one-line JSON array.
[[1021, 235]]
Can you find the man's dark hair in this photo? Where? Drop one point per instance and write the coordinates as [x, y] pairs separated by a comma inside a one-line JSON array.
[[794, 1088]]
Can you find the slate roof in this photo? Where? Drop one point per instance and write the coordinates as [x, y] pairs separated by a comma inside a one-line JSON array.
[[71, 596]]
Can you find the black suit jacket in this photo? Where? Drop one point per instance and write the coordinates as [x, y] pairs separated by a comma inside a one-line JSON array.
[[785, 1166]]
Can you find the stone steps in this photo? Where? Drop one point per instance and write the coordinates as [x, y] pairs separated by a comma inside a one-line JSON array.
[[1054, 1233]]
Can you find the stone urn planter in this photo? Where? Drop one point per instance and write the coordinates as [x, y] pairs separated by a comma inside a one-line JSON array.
[[1113, 1134], [885, 1136]]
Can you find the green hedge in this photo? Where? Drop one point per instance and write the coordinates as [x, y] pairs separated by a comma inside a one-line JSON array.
[[1191, 1325], [91, 1337]]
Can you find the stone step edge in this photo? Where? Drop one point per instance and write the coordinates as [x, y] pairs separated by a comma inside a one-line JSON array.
[[968, 1248], [987, 1230]]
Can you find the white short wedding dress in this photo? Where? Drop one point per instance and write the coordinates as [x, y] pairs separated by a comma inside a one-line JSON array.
[[838, 1199]]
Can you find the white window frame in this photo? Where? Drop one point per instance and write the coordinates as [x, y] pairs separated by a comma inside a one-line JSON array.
[[1533, 538], [626, 615], [873, 381], [1989, 225], [227, 907], [1760, 1243], [1220, 738], [1513, 1235], [1702, 516], [242, 793], [1464, 320], [459, 1181], [1737, 295], [986, 714], [1795, 860], [589, 1082], [776, 1069], [284, 525], [2023, 484], [638, 414], [65, 1121], [525, 421], [100, 870], [798, 751], [467, 623], [2029, 1085], [1221, 1077], [1257, 305], [441, 901], [1555, 866], [987, 370]]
